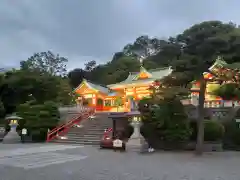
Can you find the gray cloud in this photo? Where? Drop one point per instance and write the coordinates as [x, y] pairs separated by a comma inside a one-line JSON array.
[[85, 30]]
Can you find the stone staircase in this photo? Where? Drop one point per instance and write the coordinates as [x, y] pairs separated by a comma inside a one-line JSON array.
[[88, 132]]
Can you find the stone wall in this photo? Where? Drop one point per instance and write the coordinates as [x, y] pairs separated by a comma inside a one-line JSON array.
[[220, 113]]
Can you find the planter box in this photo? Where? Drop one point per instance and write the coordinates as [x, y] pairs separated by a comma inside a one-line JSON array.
[[212, 146]]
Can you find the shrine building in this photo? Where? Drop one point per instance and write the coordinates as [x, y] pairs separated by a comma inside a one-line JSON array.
[[124, 95]]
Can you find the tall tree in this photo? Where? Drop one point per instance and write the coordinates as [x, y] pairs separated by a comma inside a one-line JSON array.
[[89, 66], [64, 92], [142, 47], [201, 44], [46, 62], [22, 86], [76, 76]]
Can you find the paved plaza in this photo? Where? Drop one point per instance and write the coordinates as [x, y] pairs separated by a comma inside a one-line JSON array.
[[67, 162]]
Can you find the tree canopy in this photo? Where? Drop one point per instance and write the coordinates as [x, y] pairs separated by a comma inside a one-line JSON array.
[[40, 78], [193, 51]]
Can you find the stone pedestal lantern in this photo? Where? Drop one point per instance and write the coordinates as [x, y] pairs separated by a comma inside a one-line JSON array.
[[120, 122], [12, 136], [136, 140]]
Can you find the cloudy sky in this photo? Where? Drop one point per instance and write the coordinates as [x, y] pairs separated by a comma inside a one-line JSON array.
[[84, 30]]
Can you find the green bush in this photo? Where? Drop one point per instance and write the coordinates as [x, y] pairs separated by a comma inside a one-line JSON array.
[[38, 118], [166, 119], [39, 135], [232, 132], [213, 130], [2, 110], [228, 91]]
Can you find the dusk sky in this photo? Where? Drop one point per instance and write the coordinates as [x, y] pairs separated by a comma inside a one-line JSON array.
[[84, 30]]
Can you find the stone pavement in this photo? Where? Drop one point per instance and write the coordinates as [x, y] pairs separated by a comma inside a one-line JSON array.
[[67, 162]]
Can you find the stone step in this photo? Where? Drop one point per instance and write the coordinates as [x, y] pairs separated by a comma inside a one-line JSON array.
[[82, 134], [90, 133], [93, 127], [99, 125], [87, 131], [77, 142], [84, 137]]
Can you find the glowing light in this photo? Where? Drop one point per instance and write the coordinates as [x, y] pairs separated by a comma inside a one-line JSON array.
[[63, 137]]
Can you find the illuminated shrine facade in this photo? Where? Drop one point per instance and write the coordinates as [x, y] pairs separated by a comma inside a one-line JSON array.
[[212, 100], [124, 95]]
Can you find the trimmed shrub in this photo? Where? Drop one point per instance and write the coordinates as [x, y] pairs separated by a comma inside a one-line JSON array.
[[39, 135], [38, 118], [232, 133], [167, 120], [213, 130]]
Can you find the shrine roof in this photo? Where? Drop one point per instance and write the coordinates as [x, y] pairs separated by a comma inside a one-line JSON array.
[[153, 74], [220, 63], [94, 86]]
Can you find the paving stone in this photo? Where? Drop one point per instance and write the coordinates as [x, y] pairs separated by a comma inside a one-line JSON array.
[[90, 163]]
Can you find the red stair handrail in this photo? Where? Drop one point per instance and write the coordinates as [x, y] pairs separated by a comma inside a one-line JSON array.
[[62, 129], [107, 132]]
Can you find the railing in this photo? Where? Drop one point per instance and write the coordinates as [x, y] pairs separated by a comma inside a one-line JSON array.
[[63, 129], [106, 133]]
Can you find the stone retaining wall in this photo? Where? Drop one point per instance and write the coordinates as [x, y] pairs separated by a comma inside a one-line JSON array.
[[220, 113]]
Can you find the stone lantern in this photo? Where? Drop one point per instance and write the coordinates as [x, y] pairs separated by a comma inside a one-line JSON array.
[[136, 140], [12, 136]]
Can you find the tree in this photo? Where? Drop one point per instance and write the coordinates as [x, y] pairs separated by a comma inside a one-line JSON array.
[[22, 86], [117, 56], [114, 71], [90, 66], [38, 118], [46, 62], [76, 76], [143, 46], [64, 92], [228, 77], [164, 118], [201, 44]]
